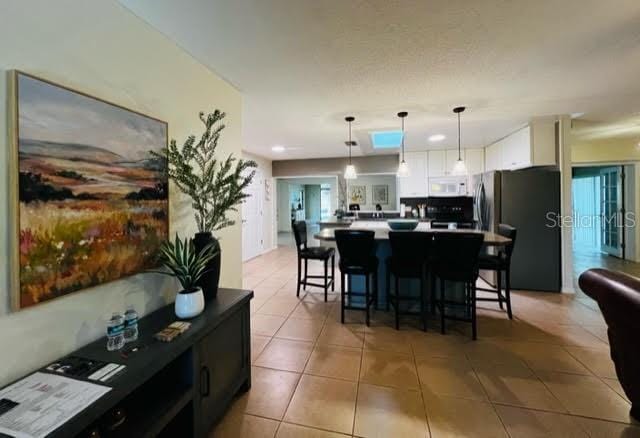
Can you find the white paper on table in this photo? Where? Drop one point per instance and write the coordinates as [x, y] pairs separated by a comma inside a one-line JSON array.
[[46, 402]]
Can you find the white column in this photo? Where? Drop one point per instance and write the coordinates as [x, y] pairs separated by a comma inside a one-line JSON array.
[[566, 209]]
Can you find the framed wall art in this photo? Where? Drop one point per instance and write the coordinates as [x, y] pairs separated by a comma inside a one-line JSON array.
[[91, 203], [358, 195], [380, 194]]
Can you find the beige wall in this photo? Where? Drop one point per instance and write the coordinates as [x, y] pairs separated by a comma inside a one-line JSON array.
[[99, 47], [605, 150]]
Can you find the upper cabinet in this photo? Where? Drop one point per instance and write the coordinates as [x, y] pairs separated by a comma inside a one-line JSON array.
[[441, 162], [474, 159], [533, 145], [516, 150], [416, 183], [493, 157], [437, 163]]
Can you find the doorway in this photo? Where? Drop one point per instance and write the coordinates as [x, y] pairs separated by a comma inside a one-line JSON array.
[[604, 228], [311, 199]]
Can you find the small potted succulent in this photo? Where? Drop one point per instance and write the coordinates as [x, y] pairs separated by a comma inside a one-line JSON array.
[[188, 265]]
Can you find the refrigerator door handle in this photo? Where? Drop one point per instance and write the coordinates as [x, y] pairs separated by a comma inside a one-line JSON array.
[[478, 205]]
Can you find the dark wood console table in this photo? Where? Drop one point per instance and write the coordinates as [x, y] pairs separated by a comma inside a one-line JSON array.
[[181, 388]]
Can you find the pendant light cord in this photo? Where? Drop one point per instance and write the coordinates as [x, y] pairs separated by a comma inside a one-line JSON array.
[[350, 143], [459, 154], [403, 139]]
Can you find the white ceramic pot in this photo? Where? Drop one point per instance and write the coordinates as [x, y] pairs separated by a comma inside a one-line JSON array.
[[189, 304]]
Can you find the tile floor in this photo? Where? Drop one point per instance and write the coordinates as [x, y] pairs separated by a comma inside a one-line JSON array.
[[547, 373]]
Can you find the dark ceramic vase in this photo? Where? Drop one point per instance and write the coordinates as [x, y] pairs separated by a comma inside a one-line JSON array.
[[209, 281]]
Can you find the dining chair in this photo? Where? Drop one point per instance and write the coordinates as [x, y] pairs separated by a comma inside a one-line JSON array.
[[409, 260], [306, 253], [357, 251], [454, 258], [501, 263]]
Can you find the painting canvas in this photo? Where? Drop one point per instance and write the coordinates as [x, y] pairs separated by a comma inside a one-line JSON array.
[[380, 194], [92, 202], [358, 194]]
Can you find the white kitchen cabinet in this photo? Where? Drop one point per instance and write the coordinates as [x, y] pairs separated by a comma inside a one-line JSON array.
[[516, 149], [533, 145], [415, 184], [437, 163], [474, 160], [493, 157]]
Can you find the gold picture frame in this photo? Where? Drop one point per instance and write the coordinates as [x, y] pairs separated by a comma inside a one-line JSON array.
[[133, 177]]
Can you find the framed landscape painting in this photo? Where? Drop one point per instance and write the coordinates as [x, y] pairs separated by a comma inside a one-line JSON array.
[[91, 202]]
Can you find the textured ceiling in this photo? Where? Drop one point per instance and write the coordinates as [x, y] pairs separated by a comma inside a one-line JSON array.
[[302, 65]]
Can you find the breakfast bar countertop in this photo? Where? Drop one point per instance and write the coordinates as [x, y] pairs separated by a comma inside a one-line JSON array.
[[382, 232]]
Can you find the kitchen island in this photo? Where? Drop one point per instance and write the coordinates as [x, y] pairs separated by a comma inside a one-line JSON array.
[[381, 230], [383, 251]]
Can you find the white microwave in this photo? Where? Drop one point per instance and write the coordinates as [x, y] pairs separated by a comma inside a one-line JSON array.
[[448, 186]]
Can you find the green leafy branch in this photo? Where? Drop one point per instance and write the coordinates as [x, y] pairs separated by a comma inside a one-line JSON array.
[[215, 187]]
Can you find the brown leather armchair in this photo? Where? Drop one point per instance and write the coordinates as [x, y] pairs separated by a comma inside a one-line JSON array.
[[618, 296]]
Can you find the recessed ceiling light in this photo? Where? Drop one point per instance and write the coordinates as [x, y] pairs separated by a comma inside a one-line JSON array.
[[278, 149], [436, 137]]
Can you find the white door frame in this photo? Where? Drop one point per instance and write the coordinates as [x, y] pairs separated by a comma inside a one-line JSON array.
[[253, 233]]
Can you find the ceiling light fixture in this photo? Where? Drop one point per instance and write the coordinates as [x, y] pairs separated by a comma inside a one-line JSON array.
[[403, 168], [459, 168], [278, 149], [436, 138], [350, 170]]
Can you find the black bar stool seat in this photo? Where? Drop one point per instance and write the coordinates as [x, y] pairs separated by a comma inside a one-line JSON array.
[[306, 253], [500, 263], [317, 253], [357, 251]]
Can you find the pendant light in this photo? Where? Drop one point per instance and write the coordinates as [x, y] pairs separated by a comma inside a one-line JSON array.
[[403, 168], [459, 168], [350, 170]]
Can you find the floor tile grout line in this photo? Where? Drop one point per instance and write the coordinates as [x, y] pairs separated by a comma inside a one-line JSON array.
[[355, 407], [424, 402]]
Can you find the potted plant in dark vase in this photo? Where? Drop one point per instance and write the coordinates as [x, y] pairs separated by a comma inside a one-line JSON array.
[[188, 266], [216, 187]]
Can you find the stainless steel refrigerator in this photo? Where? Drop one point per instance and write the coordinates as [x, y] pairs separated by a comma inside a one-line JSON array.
[[526, 200]]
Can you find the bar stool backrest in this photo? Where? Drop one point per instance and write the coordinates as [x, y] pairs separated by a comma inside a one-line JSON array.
[[410, 248], [356, 247], [300, 234], [455, 255]]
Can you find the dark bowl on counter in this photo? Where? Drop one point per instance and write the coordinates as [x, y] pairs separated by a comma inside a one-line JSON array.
[[403, 224]]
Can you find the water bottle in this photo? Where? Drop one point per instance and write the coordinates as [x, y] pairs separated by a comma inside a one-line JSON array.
[[130, 324], [115, 332]]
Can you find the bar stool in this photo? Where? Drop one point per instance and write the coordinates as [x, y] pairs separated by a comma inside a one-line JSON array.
[[455, 258], [357, 250], [500, 263], [409, 255], [312, 253]]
